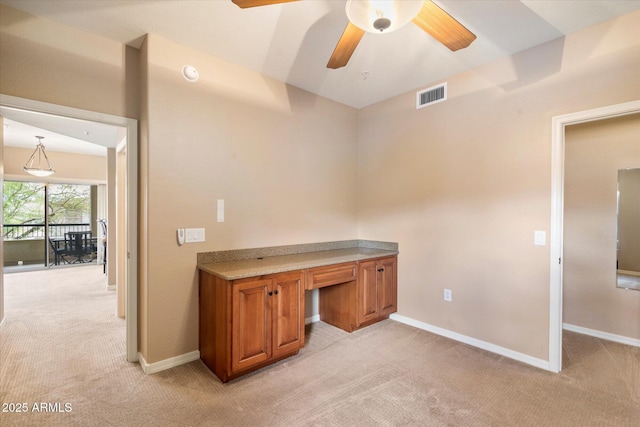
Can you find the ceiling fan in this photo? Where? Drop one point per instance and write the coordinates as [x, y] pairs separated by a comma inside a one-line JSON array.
[[384, 16]]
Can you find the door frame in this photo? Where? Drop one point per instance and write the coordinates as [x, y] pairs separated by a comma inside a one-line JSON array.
[[558, 124], [131, 126]]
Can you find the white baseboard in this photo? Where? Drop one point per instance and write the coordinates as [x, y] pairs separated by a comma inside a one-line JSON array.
[[312, 319], [521, 357], [604, 335], [629, 272], [152, 368], [111, 287]]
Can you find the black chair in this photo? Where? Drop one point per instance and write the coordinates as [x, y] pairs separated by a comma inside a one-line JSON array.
[[59, 248], [103, 229], [79, 245]]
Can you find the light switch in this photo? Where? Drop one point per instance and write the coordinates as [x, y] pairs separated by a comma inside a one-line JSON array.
[[194, 235], [540, 238], [220, 210]]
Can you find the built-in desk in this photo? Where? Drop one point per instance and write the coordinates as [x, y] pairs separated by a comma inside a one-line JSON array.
[[252, 301], [235, 269]]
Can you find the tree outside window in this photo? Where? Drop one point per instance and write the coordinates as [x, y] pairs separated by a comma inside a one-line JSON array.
[[23, 206], [69, 204]]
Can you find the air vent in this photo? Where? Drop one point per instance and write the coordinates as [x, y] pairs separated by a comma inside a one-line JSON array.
[[431, 96]]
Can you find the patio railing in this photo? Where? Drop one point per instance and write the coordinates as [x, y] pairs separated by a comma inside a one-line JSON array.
[[25, 244], [36, 231]]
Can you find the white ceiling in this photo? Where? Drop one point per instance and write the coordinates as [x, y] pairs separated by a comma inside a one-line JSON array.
[[61, 134], [292, 42]]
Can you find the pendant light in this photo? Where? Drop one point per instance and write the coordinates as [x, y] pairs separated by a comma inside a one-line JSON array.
[[377, 16], [36, 165]]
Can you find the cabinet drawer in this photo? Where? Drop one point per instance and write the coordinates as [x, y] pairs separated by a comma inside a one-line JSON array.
[[332, 275]]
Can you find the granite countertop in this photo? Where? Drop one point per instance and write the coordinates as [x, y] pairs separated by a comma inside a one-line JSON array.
[[242, 268]]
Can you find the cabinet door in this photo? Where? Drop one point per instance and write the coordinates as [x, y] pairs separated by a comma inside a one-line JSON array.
[[288, 313], [251, 325], [387, 286], [368, 292]]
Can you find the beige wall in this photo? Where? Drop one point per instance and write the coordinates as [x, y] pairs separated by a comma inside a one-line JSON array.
[[283, 160], [593, 154], [120, 254], [462, 185], [49, 62], [70, 167]]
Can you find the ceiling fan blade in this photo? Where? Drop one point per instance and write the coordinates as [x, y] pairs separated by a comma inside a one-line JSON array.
[[345, 47], [443, 27], [254, 3]]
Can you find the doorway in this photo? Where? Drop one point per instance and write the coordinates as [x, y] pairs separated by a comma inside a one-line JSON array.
[[129, 149], [558, 125]]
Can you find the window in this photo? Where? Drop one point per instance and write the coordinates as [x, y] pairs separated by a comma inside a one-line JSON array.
[[23, 206], [28, 225]]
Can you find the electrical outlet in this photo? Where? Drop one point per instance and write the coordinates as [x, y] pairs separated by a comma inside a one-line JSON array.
[[448, 295]]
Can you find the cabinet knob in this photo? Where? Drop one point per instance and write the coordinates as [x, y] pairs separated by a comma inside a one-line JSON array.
[[275, 292], [270, 293], [380, 270]]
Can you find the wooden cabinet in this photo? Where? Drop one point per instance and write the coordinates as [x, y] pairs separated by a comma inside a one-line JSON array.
[[354, 295], [288, 314], [249, 323], [321, 277], [377, 290]]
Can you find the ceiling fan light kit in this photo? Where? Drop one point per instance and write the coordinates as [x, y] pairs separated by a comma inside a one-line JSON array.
[[377, 16]]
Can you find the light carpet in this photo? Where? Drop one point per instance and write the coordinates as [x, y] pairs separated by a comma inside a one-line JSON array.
[[62, 344]]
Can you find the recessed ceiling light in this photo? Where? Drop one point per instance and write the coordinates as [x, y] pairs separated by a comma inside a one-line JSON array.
[[190, 73]]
